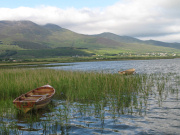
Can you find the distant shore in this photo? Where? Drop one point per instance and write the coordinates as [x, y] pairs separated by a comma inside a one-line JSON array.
[[74, 59]]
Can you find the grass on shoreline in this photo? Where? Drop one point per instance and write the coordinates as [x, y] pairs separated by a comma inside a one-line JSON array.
[[79, 59]]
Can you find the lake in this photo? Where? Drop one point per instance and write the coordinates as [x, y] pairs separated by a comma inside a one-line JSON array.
[[141, 66], [159, 119], [159, 112]]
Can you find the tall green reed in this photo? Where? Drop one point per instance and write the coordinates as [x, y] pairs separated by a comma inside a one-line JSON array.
[[97, 91], [122, 91], [73, 85]]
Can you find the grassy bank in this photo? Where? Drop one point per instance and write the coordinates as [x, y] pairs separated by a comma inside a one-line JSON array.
[[39, 62]]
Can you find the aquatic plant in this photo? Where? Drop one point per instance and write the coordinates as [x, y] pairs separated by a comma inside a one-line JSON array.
[[87, 93]]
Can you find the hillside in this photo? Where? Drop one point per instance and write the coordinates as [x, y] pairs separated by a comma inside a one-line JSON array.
[[21, 38], [127, 39]]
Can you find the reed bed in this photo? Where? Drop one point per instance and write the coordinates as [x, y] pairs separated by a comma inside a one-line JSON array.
[[88, 93], [121, 91], [81, 86], [68, 84]]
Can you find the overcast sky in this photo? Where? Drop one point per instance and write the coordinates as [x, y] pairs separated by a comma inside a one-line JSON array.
[[144, 19]]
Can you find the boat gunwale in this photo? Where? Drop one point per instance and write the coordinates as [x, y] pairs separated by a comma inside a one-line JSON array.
[[16, 100]]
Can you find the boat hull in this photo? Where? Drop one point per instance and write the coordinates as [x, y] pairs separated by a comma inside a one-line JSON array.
[[127, 72], [35, 99]]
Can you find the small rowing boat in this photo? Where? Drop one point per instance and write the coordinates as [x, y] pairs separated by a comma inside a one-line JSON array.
[[127, 72], [35, 99]]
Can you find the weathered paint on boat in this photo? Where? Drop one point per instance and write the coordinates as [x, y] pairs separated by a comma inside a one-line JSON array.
[[35, 99]]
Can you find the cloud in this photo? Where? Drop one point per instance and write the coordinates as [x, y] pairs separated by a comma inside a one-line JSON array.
[[172, 38], [137, 18]]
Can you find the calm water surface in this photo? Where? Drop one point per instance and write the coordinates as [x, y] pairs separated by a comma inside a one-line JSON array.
[[141, 66], [159, 113]]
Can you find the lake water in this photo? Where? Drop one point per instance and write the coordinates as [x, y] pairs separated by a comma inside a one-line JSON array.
[[141, 66], [161, 118], [160, 114]]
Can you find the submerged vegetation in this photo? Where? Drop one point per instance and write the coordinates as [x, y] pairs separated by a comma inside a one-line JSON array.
[[79, 94]]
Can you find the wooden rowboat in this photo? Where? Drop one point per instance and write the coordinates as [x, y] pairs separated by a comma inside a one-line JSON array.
[[35, 99], [127, 72]]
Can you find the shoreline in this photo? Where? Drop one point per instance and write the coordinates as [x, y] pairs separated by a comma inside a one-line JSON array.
[[40, 62]]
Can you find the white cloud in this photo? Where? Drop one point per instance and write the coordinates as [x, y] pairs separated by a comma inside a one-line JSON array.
[[165, 38], [138, 18]]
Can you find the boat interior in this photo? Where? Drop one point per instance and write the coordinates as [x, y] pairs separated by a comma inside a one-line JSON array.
[[36, 95]]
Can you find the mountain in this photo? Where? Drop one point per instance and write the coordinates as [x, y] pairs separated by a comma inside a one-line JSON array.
[[26, 38], [127, 39], [164, 44], [123, 39], [22, 30], [53, 27]]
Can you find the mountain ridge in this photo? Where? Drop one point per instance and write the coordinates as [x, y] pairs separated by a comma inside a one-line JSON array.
[[128, 39], [27, 35]]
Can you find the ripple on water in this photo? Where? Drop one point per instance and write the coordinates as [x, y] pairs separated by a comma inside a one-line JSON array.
[[161, 115]]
